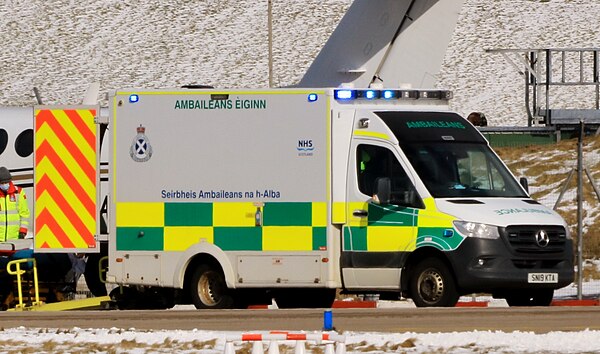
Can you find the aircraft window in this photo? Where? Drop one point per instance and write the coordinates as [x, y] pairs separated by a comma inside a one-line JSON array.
[[3, 140], [24, 143]]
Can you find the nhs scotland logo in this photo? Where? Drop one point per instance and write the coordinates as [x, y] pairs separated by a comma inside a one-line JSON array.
[[305, 147]]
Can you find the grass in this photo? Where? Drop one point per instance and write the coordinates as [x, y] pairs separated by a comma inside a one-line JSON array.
[[547, 168], [125, 346], [590, 270]]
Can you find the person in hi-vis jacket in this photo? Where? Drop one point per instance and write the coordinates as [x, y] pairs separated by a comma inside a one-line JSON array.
[[14, 211]]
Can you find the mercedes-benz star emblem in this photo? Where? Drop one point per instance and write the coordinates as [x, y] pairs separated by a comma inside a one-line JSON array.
[[542, 238]]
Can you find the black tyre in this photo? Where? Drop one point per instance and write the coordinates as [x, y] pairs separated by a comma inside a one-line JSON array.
[[540, 297], [92, 273], [124, 297], [432, 284], [208, 289], [92, 276], [305, 298], [142, 298]]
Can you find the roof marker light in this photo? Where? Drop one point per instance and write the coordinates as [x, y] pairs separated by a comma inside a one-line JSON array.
[[344, 94], [312, 97], [133, 98]]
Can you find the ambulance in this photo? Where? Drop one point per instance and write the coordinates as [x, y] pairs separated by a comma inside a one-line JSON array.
[[226, 198]]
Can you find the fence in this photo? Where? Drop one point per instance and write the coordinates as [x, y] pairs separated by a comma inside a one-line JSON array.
[[560, 180]]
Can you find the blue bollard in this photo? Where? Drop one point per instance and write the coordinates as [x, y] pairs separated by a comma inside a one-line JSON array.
[[327, 320]]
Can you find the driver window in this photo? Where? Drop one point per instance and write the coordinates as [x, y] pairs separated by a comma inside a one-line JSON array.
[[375, 162], [476, 172]]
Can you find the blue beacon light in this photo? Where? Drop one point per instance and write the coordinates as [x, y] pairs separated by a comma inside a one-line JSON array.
[[313, 97], [133, 98], [370, 94], [344, 94], [387, 94]]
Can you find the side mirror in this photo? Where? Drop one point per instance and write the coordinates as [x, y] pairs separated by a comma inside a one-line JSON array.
[[524, 184], [409, 198], [383, 190]]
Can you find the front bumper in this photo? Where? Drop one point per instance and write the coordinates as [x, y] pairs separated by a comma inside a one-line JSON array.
[[494, 266]]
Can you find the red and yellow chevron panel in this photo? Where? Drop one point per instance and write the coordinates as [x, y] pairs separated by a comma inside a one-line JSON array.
[[66, 179]]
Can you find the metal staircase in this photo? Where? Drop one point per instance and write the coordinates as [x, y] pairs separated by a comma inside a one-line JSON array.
[[551, 73]]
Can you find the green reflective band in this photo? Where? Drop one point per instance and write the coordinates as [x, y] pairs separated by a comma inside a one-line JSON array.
[[287, 214], [140, 238], [319, 238], [188, 214], [357, 240], [238, 238], [392, 215], [434, 236]]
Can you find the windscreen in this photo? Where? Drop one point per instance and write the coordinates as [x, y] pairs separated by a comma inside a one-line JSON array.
[[450, 156]]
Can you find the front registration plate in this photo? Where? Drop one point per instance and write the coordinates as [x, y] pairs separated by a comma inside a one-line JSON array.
[[542, 278]]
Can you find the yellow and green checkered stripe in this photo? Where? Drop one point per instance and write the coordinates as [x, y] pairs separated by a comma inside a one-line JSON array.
[[286, 226], [392, 229]]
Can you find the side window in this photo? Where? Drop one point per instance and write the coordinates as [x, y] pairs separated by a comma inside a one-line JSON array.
[[477, 172], [3, 140], [24, 143], [375, 162]]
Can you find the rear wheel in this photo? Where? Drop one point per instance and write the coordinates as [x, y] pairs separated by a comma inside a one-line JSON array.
[[124, 297], [540, 297], [432, 284], [95, 271], [209, 290]]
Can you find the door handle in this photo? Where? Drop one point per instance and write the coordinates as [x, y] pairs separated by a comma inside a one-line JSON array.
[[360, 213]]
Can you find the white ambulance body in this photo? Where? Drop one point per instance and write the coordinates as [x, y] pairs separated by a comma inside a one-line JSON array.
[[234, 196]]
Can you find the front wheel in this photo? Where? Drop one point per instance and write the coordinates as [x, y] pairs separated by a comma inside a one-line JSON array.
[[209, 290], [432, 284], [540, 297]]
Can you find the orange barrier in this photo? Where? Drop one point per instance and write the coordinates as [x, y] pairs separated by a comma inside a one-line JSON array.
[[574, 302], [334, 343]]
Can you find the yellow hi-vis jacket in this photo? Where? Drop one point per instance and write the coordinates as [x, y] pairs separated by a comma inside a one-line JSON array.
[[14, 213]]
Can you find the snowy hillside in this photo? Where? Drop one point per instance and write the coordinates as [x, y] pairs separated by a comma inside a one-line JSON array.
[[60, 46]]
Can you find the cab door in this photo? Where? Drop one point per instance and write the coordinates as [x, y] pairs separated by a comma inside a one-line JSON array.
[[379, 234]]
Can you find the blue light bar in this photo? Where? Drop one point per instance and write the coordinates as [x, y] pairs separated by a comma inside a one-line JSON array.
[[312, 97], [368, 94], [133, 98], [344, 94], [388, 94]]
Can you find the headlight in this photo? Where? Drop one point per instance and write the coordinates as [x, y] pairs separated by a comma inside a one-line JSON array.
[[474, 229]]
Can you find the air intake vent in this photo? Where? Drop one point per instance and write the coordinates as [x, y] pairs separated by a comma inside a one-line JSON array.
[[465, 201]]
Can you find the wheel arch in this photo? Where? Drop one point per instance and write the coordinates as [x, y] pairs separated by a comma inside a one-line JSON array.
[[417, 256], [203, 253]]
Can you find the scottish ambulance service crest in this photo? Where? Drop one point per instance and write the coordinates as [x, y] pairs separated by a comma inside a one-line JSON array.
[[141, 150]]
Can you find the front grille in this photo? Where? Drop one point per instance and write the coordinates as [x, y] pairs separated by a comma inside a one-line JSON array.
[[522, 238], [534, 264]]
